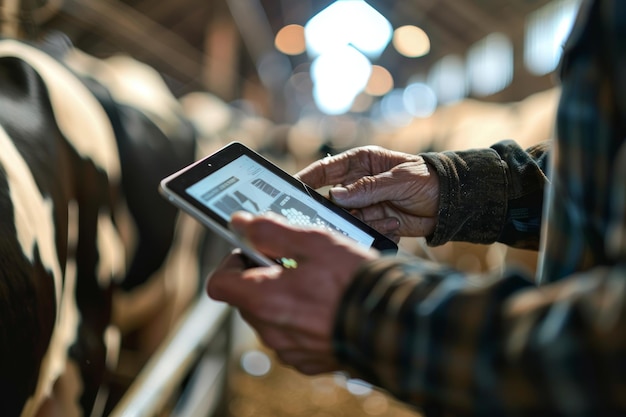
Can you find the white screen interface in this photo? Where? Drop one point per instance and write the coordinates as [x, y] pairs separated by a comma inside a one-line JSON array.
[[245, 185]]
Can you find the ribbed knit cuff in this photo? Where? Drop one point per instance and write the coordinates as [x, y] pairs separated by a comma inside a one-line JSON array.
[[473, 196]]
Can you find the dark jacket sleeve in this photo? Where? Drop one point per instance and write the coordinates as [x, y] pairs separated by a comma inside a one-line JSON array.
[[490, 345], [491, 195]]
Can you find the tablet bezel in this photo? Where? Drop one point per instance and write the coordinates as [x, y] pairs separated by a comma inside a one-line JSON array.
[[178, 183]]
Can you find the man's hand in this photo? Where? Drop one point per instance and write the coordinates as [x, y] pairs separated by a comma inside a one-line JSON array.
[[292, 310], [394, 192]]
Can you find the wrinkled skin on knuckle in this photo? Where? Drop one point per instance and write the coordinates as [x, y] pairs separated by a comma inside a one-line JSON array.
[[366, 184]]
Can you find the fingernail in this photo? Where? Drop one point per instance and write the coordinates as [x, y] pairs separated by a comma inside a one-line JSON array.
[[242, 215], [338, 193]]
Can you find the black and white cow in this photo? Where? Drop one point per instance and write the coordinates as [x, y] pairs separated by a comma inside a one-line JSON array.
[[68, 158], [46, 114]]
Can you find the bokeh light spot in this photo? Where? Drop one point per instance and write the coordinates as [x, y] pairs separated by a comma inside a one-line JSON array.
[[290, 40], [411, 41], [380, 81], [256, 363]]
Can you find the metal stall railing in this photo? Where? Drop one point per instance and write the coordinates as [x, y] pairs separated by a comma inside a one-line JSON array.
[[187, 375]]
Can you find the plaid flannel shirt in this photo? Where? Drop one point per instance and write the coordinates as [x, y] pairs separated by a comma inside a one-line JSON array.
[[508, 344]]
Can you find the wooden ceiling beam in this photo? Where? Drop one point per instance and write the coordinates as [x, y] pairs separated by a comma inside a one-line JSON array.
[[474, 16], [132, 31], [164, 11], [424, 14]]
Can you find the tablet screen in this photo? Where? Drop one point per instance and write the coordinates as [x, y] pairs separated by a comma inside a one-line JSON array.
[[243, 184]]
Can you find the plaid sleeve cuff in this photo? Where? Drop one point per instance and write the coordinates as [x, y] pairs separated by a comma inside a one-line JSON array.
[[367, 339]]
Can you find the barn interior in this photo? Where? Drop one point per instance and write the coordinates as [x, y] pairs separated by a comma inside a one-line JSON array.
[[443, 74]]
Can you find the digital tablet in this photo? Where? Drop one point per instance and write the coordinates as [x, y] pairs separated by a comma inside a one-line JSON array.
[[237, 178]]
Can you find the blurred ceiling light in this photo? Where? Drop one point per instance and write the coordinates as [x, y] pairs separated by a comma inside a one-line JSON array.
[[338, 76], [546, 30], [380, 81], [348, 22], [393, 109], [419, 100], [411, 41], [290, 40], [447, 79], [490, 64]]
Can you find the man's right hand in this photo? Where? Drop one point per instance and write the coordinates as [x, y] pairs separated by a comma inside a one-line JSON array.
[[394, 192]]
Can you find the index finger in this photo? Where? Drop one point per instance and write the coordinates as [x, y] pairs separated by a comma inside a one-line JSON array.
[[269, 234], [331, 170]]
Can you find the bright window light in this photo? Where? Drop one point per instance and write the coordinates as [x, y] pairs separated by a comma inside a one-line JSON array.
[[490, 64], [348, 22], [339, 75], [546, 31]]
